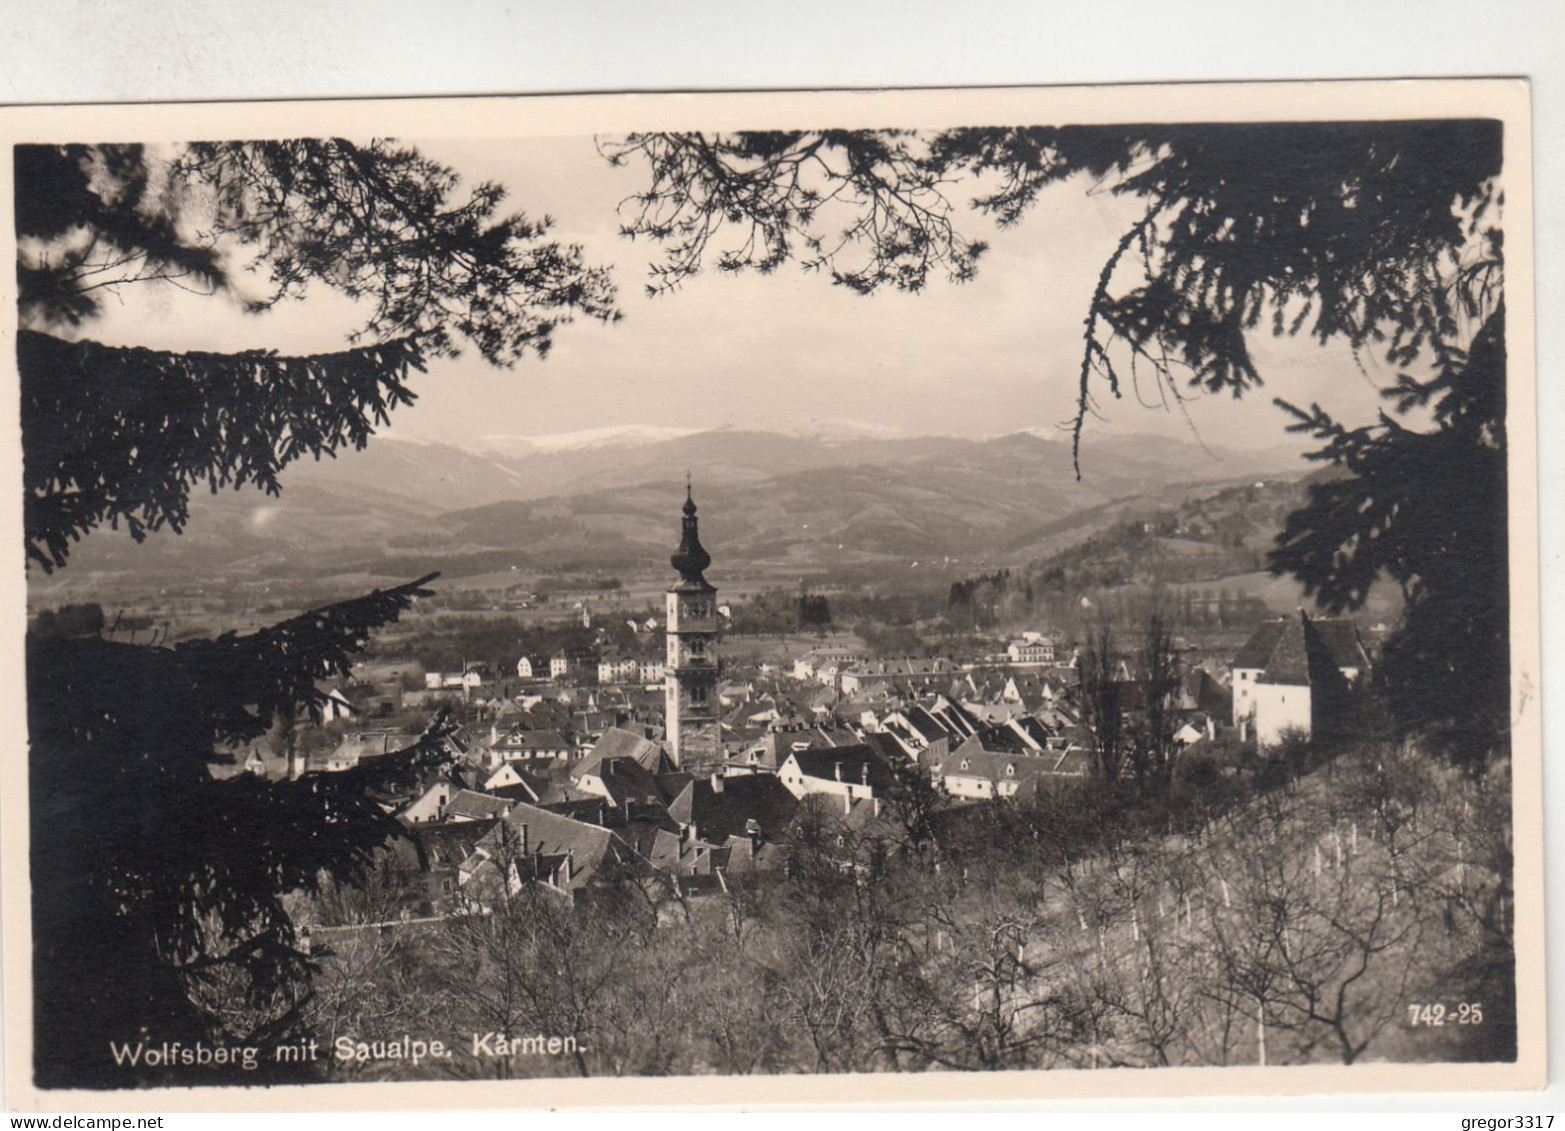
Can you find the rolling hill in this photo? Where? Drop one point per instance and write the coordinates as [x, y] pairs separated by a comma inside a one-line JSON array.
[[767, 499]]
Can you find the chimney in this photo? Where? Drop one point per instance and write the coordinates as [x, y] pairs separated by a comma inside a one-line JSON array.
[[838, 766], [864, 774], [717, 783], [1211, 729]]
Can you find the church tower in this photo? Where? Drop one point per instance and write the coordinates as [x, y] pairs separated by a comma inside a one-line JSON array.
[[690, 674]]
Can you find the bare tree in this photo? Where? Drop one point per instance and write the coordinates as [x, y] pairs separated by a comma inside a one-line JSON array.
[[1102, 709], [1324, 949], [1153, 749]]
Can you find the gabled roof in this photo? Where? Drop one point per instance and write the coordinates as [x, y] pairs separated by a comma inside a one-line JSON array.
[[721, 813], [365, 744], [673, 782], [997, 740], [887, 747], [908, 739], [1341, 638], [448, 844], [1076, 760], [552, 834], [467, 804], [536, 740], [258, 754], [626, 779], [954, 717], [997, 766], [855, 762], [516, 786], [617, 743], [1033, 731], [925, 724], [1258, 649], [664, 850], [1301, 658], [1337, 635]]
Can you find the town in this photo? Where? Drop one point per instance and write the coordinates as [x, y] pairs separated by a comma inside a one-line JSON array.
[[1042, 853], [666, 753]]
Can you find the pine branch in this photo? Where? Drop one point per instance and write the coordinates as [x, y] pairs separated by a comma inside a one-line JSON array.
[[113, 434]]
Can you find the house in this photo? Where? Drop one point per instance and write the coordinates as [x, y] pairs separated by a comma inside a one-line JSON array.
[[864, 674], [398, 671], [855, 836], [745, 818], [923, 724], [420, 873], [429, 806], [854, 773], [621, 744], [1304, 685], [358, 746], [514, 783], [621, 781], [813, 664], [533, 747], [572, 663], [1339, 636], [469, 679], [1021, 734], [534, 845], [769, 750], [470, 805], [615, 666], [981, 771], [1032, 648], [258, 758]]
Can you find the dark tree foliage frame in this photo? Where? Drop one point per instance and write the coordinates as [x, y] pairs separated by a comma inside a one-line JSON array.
[[151, 879], [1382, 234], [158, 890], [115, 435]]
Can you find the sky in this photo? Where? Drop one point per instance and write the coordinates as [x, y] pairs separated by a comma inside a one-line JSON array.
[[996, 354]]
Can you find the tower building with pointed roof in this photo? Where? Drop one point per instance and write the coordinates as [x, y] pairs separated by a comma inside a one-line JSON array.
[[691, 667]]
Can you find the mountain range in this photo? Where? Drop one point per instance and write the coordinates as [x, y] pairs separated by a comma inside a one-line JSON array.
[[824, 494]]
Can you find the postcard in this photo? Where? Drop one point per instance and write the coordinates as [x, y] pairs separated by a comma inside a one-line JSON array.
[[954, 594]]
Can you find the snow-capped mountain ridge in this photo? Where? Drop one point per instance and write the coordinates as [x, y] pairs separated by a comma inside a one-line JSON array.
[[586, 438]]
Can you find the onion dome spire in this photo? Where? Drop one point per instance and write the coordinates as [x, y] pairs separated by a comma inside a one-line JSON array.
[[691, 559]]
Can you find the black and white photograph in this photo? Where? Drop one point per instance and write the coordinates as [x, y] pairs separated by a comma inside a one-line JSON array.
[[978, 592]]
